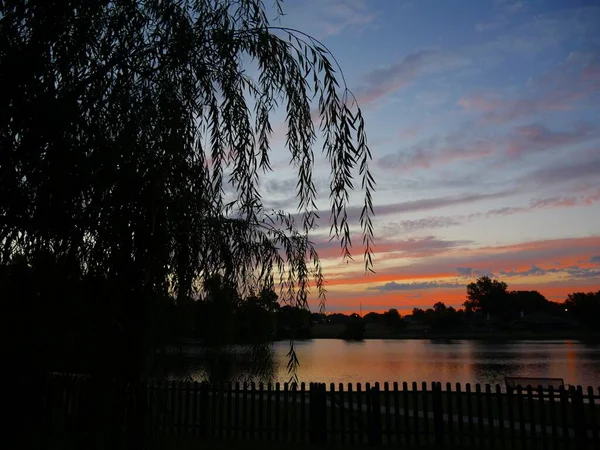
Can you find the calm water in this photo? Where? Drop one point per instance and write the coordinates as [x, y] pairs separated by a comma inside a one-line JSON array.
[[337, 361]]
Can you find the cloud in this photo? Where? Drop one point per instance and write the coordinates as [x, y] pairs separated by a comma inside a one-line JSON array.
[[329, 17], [407, 226], [532, 271], [421, 247], [386, 80], [573, 272], [494, 261], [563, 172], [393, 286], [562, 88], [469, 272], [595, 259], [536, 137], [415, 205], [539, 203], [410, 131], [427, 153], [437, 202]]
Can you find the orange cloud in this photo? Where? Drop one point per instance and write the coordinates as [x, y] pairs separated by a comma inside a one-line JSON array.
[[554, 267]]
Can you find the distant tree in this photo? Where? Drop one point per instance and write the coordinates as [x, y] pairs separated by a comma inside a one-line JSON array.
[[221, 301], [418, 314], [354, 328], [585, 307], [439, 307], [337, 319], [373, 317], [486, 295], [132, 145], [256, 318], [529, 302], [392, 319], [293, 322]]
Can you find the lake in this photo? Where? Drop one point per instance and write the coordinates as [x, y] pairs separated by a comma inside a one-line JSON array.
[[464, 361]]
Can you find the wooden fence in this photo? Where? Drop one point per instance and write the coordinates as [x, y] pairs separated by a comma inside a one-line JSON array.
[[399, 415]]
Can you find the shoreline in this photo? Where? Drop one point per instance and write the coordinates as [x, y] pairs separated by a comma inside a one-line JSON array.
[[333, 332]]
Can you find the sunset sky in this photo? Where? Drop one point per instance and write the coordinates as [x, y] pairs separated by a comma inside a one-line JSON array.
[[484, 122]]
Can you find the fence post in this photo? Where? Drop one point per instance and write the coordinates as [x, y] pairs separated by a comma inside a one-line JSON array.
[[579, 416], [375, 412], [317, 411], [204, 409], [438, 415]]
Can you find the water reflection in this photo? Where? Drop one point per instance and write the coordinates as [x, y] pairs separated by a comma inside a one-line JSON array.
[[335, 361], [235, 364]]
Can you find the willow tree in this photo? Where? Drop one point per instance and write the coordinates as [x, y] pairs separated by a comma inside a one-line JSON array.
[[133, 140]]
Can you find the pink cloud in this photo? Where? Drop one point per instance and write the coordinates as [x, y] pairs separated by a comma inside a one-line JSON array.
[[427, 154], [410, 132], [479, 103], [536, 137], [386, 80], [573, 82]]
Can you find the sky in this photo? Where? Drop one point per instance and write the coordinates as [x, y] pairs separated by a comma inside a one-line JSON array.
[[483, 118]]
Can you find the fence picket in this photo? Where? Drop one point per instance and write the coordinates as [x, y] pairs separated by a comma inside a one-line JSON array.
[[450, 414], [501, 425], [415, 408], [244, 412], [261, 412], [397, 414], [532, 414], [459, 412], [425, 398], [564, 402], [469, 398], [342, 414], [510, 402], [438, 414], [286, 412], [376, 415], [352, 414], [388, 417], [332, 410], [405, 404], [269, 417], [579, 417], [552, 417], [592, 408], [173, 419], [277, 412], [294, 412], [252, 418], [181, 406], [481, 430], [522, 420], [490, 415], [542, 416], [303, 412], [229, 410]]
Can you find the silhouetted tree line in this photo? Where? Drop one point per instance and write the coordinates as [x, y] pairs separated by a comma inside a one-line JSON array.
[[440, 318], [490, 299]]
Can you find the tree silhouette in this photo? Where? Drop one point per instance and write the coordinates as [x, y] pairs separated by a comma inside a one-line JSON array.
[[486, 295], [133, 142], [585, 307]]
